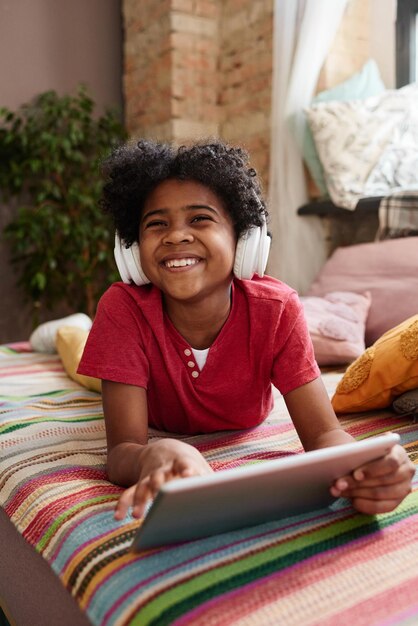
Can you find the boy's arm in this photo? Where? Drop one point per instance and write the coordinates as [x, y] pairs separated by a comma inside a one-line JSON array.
[[314, 418], [126, 420], [133, 462], [377, 487]]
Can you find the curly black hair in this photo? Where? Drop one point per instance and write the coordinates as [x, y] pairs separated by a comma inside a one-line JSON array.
[[132, 171]]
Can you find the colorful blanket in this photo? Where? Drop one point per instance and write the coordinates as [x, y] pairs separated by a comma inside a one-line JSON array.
[[323, 568]]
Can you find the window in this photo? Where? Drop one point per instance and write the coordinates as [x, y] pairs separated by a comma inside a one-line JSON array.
[[406, 42]]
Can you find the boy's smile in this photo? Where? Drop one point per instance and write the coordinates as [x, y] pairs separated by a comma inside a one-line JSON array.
[[180, 261], [187, 242]]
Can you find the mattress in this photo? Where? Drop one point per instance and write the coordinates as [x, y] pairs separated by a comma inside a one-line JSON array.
[[324, 567]]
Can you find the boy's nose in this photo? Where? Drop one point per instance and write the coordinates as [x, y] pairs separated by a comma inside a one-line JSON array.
[[178, 235]]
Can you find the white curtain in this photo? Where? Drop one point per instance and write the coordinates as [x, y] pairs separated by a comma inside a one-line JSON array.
[[303, 34]]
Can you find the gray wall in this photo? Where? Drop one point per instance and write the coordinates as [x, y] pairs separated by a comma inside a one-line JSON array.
[[53, 44]]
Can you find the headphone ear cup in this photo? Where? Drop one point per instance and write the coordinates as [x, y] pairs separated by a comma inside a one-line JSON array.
[[252, 253], [264, 249], [120, 260], [247, 254], [128, 263], [133, 262]]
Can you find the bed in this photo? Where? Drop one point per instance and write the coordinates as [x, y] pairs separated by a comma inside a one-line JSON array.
[[65, 560]]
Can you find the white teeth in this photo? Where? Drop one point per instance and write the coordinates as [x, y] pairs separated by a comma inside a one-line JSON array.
[[181, 262]]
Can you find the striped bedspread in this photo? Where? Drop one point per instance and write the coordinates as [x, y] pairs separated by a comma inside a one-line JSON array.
[[323, 568]]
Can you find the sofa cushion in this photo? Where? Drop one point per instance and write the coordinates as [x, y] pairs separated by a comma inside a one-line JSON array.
[[384, 371], [387, 269]]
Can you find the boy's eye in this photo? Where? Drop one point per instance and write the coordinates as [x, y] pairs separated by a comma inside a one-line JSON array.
[[201, 218], [154, 223]]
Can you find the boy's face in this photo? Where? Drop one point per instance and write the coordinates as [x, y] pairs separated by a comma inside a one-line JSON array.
[[187, 241]]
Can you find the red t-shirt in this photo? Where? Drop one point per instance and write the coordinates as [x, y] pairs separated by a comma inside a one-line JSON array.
[[264, 340]]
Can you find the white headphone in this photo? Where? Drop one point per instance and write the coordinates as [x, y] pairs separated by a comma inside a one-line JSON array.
[[251, 256]]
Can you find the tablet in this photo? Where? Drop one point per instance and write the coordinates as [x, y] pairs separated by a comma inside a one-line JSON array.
[[190, 508]]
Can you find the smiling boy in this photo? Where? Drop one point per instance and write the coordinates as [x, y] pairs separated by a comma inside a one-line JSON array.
[[197, 347]]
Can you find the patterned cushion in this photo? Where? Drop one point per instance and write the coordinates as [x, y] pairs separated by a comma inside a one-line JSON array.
[[364, 84], [384, 371], [368, 147]]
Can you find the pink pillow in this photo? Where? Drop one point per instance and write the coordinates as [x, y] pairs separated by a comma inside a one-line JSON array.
[[387, 269], [336, 325]]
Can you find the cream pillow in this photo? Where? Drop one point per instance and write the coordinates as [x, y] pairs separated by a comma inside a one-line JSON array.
[[364, 84], [70, 342], [367, 147], [384, 371]]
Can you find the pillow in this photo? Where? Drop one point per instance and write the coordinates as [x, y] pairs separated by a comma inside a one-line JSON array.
[[365, 83], [336, 325], [368, 147], [384, 371], [387, 269], [70, 342], [407, 403], [43, 337]]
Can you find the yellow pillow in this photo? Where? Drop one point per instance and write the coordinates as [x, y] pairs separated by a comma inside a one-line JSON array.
[[70, 342], [384, 371]]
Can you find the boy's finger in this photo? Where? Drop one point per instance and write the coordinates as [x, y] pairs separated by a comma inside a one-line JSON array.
[[387, 464], [344, 483], [148, 488], [141, 496], [397, 491], [403, 474], [382, 467], [124, 503], [158, 478], [374, 507]]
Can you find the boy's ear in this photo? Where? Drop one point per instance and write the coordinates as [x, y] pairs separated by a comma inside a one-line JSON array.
[[128, 262]]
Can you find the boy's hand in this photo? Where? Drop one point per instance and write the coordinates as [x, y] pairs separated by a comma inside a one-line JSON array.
[[160, 462], [378, 486]]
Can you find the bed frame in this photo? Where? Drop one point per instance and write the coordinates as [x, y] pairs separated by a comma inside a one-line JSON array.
[[30, 592]]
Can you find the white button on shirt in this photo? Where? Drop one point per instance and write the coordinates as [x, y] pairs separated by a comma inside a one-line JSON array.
[[195, 374], [191, 363], [187, 352]]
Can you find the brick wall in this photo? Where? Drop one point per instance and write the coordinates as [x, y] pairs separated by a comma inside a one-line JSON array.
[[147, 68], [200, 68], [245, 68], [195, 76], [171, 80]]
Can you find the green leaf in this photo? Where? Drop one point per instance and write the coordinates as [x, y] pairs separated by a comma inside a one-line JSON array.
[[39, 281]]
